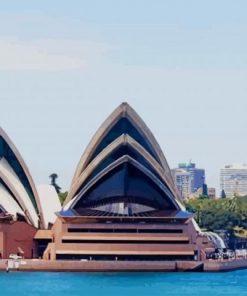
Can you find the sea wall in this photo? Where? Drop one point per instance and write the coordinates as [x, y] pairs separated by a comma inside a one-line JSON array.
[[116, 266]]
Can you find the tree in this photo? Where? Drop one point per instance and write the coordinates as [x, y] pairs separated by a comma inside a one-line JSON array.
[[53, 178], [62, 197], [223, 194], [204, 190], [220, 214]]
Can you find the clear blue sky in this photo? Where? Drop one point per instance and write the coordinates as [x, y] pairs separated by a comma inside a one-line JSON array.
[[65, 65]]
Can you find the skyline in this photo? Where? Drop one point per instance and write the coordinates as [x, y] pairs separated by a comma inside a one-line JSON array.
[[182, 66]]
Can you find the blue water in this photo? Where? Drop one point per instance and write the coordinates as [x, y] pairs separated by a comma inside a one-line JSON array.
[[124, 284]]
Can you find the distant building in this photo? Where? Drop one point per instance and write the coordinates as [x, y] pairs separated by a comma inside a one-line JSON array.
[[197, 175], [183, 181], [233, 180], [211, 192], [188, 178]]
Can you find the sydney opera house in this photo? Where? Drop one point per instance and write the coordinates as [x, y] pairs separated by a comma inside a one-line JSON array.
[[122, 204]]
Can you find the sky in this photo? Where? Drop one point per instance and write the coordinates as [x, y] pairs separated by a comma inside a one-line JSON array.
[[182, 65]]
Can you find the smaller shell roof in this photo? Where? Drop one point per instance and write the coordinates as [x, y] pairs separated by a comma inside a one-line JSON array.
[[50, 203], [8, 203], [16, 176]]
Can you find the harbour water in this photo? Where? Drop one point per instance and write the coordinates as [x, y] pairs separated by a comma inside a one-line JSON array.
[[123, 284]]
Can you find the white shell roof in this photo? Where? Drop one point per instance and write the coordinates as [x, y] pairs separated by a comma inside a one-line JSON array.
[[50, 203], [8, 203], [31, 207], [14, 184]]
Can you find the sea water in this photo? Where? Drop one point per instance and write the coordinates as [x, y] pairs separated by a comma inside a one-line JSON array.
[[123, 284]]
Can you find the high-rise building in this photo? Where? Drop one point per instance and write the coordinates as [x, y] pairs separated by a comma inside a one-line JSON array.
[[197, 175], [233, 180], [188, 178], [183, 181]]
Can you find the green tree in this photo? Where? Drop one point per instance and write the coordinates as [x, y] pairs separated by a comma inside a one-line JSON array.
[[205, 190], [223, 194], [62, 196], [226, 213]]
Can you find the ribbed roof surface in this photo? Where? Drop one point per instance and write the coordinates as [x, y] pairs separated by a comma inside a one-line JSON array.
[[123, 167], [17, 189]]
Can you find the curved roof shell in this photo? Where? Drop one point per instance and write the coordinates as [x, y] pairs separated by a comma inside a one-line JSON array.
[[8, 203], [17, 181], [123, 140], [103, 158], [118, 188], [50, 203], [143, 133]]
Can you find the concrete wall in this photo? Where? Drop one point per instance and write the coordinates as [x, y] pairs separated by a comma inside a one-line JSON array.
[[16, 235]]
